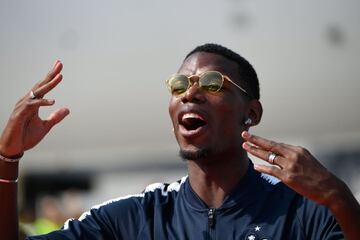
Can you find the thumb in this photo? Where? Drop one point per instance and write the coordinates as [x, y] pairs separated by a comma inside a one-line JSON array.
[[56, 117]]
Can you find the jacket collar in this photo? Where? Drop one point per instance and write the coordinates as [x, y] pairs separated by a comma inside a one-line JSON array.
[[246, 192]]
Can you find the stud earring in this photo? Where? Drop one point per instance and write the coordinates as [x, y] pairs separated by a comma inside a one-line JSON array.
[[248, 121]]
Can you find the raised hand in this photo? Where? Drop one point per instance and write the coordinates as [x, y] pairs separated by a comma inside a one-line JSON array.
[[294, 166], [299, 170], [25, 128]]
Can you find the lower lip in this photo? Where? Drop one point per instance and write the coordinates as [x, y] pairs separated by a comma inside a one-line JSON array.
[[192, 133]]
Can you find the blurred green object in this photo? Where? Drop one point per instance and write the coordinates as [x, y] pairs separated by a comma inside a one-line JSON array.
[[43, 226]]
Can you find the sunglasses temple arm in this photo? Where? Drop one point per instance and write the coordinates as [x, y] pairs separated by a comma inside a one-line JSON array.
[[242, 89]]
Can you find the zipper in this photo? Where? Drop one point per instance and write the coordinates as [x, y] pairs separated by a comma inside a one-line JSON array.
[[211, 224], [211, 217]]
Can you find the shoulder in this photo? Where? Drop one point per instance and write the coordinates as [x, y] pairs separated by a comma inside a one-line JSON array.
[[273, 187], [277, 189], [159, 193], [153, 193], [280, 194], [126, 215], [314, 220]]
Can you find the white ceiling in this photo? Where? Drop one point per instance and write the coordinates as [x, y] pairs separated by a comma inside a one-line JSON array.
[[116, 55]]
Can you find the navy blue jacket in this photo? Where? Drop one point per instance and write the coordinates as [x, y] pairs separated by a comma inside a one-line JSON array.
[[259, 208]]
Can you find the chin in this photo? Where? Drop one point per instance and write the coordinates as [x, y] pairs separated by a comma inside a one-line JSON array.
[[195, 154]]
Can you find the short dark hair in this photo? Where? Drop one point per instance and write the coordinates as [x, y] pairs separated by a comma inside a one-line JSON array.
[[246, 70]]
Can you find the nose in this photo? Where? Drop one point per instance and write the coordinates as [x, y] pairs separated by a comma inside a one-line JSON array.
[[194, 93]]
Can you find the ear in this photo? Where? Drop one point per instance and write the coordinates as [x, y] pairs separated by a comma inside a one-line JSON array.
[[254, 112]]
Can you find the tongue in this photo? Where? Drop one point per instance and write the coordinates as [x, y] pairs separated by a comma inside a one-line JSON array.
[[193, 123]]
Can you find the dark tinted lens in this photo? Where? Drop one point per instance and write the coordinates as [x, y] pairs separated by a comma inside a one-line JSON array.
[[178, 84], [211, 81]]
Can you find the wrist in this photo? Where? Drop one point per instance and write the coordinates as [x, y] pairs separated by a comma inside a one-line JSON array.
[[9, 170], [10, 156], [339, 197], [10, 159]]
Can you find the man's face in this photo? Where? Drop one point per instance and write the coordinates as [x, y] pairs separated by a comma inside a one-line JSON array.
[[206, 122]]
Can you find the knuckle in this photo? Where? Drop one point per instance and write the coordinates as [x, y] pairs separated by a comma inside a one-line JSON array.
[[293, 156], [304, 151], [19, 101], [50, 74], [17, 115], [271, 171], [279, 146], [254, 149], [14, 116], [298, 149], [37, 85], [29, 103], [253, 139], [290, 178], [301, 151], [294, 167], [17, 105], [47, 77], [272, 145]]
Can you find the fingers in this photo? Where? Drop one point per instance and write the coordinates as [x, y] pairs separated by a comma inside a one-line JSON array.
[[263, 154], [47, 87], [267, 145], [30, 103], [52, 79], [56, 117], [271, 170], [56, 69], [36, 103], [28, 107], [293, 165], [53, 72]]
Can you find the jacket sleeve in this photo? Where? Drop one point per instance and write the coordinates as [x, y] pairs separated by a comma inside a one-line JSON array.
[[115, 219], [319, 223]]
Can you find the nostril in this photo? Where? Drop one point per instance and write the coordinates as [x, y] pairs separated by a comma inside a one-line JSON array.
[[193, 94]]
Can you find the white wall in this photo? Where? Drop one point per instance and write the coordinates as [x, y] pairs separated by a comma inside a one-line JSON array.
[[118, 53]]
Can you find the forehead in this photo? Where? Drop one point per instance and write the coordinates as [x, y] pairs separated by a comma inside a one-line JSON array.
[[201, 62]]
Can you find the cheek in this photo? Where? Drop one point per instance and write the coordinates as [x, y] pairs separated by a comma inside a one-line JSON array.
[[172, 109], [232, 117]]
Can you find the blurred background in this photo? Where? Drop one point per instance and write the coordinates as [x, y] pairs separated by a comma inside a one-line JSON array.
[[116, 56]]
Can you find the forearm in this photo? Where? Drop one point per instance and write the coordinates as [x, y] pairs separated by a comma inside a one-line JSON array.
[[8, 200], [346, 210]]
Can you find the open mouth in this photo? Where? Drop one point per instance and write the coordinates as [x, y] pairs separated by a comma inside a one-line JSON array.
[[192, 121]]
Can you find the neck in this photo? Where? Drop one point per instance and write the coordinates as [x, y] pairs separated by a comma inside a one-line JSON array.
[[215, 177]]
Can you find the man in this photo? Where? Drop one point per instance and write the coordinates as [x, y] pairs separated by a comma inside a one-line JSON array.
[[214, 101]]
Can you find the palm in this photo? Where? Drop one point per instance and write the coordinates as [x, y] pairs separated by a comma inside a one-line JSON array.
[[33, 133]]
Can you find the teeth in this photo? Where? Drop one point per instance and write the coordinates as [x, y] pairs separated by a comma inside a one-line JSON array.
[[191, 115]]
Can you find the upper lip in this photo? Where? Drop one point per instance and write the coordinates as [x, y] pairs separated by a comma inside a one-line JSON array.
[[202, 114]]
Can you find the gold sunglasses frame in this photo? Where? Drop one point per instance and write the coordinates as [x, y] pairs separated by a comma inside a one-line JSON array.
[[189, 81]]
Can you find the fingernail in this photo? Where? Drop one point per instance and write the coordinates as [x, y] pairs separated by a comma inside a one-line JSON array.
[[246, 134], [245, 146], [67, 111], [56, 63], [51, 101], [59, 75]]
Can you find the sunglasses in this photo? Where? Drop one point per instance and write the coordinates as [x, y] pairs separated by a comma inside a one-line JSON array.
[[210, 81]]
